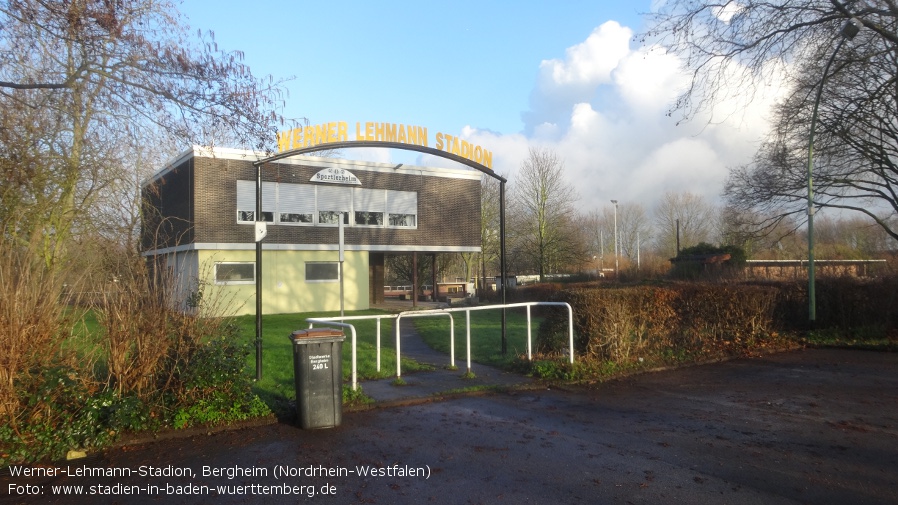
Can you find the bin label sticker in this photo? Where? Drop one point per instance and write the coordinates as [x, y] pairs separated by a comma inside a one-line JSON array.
[[319, 362]]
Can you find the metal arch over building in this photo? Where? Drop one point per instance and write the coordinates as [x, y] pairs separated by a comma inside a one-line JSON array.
[[383, 144], [387, 145]]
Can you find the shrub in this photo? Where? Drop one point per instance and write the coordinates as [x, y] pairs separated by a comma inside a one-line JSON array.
[[611, 323], [621, 324], [32, 328], [843, 304], [210, 385], [155, 366], [719, 316], [707, 261], [848, 303]]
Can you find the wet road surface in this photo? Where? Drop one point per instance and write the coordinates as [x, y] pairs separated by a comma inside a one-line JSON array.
[[811, 426]]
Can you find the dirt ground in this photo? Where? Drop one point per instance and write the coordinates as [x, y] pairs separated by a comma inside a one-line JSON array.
[[811, 426]]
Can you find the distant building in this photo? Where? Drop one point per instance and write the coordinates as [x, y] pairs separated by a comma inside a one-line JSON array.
[[199, 214]]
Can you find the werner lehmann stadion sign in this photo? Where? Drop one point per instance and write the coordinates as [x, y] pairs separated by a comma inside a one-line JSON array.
[[314, 135]]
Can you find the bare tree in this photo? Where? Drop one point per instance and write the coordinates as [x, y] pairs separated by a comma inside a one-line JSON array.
[[544, 214], [489, 227], [593, 228], [85, 75], [851, 238], [734, 47], [783, 240], [684, 213], [634, 229]]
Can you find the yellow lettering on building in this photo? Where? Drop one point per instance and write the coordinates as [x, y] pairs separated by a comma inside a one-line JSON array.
[[284, 140], [465, 149], [337, 131], [391, 132], [312, 135], [421, 136], [487, 159]]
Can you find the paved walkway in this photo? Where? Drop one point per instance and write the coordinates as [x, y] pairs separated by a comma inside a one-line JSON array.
[[428, 385]]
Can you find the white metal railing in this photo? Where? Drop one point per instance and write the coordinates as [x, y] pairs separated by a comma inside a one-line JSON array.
[[337, 321]]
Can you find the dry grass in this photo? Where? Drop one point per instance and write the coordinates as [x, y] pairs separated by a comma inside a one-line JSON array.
[[33, 326], [147, 336]]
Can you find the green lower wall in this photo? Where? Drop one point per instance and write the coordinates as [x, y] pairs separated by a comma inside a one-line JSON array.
[[284, 289]]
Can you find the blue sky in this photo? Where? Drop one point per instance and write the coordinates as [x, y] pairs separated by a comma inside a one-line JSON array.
[[563, 74]]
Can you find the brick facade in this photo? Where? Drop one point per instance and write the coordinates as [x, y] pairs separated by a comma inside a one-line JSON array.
[[168, 209], [197, 202]]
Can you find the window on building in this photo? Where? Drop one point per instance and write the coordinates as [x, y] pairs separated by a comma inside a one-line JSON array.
[[332, 200], [322, 271], [235, 273], [369, 205], [369, 218], [309, 204], [332, 217], [296, 203], [246, 201], [244, 216], [403, 220], [290, 218], [402, 208]]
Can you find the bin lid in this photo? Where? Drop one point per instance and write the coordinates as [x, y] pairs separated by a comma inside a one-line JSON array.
[[316, 333]]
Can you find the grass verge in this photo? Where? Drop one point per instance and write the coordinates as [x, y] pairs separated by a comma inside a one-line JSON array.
[[277, 386], [875, 338], [486, 335]]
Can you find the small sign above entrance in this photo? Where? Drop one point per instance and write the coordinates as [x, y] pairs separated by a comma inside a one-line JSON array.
[[336, 176]]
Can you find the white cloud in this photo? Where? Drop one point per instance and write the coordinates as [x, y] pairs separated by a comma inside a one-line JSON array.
[[727, 12], [649, 80], [590, 62], [685, 164], [586, 66], [604, 109]]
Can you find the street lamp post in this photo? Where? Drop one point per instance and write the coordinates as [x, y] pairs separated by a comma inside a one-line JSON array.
[[848, 32], [616, 263]]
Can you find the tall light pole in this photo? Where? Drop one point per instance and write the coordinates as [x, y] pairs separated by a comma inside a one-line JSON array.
[[848, 32], [616, 264]]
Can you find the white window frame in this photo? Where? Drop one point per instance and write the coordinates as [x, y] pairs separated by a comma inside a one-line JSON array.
[[370, 201], [401, 203], [296, 199], [304, 199], [333, 199], [246, 198]]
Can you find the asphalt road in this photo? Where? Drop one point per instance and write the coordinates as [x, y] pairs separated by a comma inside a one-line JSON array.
[[812, 426]]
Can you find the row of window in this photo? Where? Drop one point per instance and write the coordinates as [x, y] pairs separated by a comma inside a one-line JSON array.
[[227, 273], [311, 205]]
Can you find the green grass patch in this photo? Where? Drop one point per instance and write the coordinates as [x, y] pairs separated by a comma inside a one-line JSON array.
[[866, 337], [472, 389], [486, 335], [85, 333], [277, 384]]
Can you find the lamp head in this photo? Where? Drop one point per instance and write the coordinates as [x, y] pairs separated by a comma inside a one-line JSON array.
[[851, 28]]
